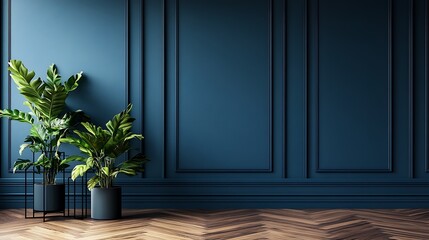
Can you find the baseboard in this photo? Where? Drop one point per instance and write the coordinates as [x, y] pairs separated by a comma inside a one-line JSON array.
[[221, 195], [240, 202]]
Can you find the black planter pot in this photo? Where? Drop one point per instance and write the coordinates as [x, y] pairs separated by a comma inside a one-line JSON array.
[[54, 197], [106, 203]]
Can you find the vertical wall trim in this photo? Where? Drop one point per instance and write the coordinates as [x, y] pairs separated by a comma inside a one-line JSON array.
[[142, 71], [270, 101], [316, 82], [389, 86], [9, 84], [127, 55], [426, 85], [389, 82], [142, 79], [305, 90], [411, 89], [1, 74], [270, 84], [164, 77], [176, 89], [284, 108]]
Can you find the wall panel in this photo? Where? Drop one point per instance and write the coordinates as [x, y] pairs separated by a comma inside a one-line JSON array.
[[351, 85], [74, 45], [223, 86]]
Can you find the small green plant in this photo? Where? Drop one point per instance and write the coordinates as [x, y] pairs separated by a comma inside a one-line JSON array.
[[102, 147], [46, 100]]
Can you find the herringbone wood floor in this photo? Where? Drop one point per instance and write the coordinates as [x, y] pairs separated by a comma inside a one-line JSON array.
[[227, 224]]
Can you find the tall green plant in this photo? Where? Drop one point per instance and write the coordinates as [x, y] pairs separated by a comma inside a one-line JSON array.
[[46, 100], [102, 148]]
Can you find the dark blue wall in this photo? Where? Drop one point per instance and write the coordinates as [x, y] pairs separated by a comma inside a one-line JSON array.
[[243, 103]]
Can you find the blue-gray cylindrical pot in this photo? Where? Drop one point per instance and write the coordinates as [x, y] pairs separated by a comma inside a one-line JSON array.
[[106, 203], [54, 197]]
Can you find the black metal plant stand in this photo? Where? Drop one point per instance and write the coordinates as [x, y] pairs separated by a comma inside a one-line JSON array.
[[83, 197]]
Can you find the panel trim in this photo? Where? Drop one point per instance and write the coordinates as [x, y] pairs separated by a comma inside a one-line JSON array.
[[305, 90], [127, 52], [284, 100], [426, 78], [270, 121], [142, 72], [9, 85], [389, 80], [411, 89], [164, 89], [126, 76], [125, 182]]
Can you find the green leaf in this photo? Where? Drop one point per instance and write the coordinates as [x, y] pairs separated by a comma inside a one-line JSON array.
[[23, 147], [53, 77], [29, 88], [39, 132], [43, 161], [120, 122], [17, 115], [72, 83], [131, 136], [53, 102], [92, 182], [58, 124], [78, 171], [106, 171], [127, 171], [73, 158], [79, 143], [90, 162], [22, 164], [134, 165], [91, 128]]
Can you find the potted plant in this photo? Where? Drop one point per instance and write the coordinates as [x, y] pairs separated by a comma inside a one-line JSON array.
[[46, 101], [102, 148]]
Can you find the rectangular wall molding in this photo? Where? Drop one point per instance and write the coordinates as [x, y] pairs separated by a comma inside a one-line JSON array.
[[314, 23], [269, 158], [126, 77]]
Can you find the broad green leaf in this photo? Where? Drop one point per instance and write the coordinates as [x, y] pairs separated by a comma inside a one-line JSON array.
[[39, 132], [127, 171], [138, 136], [43, 161], [73, 158], [23, 80], [78, 171], [23, 147], [92, 182], [90, 162], [22, 164], [72, 83], [120, 122], [53, 102], [17, 115], [53, 77], [106, 171]]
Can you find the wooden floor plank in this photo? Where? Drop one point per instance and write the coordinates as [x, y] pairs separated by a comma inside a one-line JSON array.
[[239, 224]]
